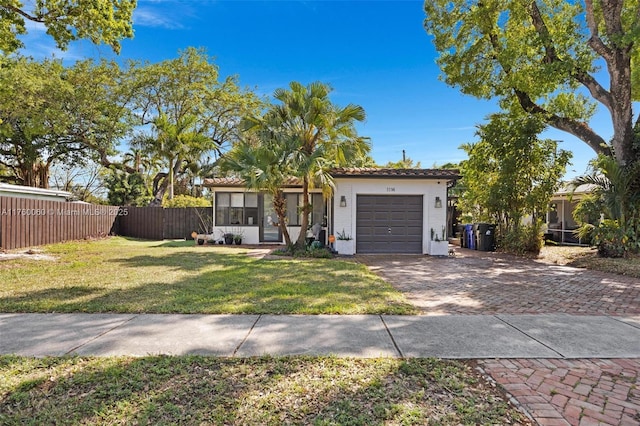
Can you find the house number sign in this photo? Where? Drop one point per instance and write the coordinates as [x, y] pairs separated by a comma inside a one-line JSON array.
[[391, 189]]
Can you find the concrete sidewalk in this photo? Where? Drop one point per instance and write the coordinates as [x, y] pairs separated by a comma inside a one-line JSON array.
[[451, 336]]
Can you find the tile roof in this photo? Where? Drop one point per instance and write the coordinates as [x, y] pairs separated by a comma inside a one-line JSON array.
[[364, 172], [396, 173], [235, 181]]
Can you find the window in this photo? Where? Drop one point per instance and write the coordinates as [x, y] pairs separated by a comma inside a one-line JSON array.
[[318, 214], [294, 204], [294, 207], [236, 208]]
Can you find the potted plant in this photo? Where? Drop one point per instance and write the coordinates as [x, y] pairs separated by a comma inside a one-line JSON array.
[[438, 246], [228, 238], [237, 238], [344, 243]]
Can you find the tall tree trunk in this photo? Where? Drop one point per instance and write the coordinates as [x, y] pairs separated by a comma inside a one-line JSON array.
[[171, 178], [160, 184], [301, 242], [280, 206], [35, 175]]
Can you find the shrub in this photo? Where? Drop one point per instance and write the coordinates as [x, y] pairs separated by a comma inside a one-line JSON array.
[[311, 251], [610, 239], [527, 239], [186, 201]]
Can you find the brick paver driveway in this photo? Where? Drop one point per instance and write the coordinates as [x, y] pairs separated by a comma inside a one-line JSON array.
[[580, 392], [491, 283]]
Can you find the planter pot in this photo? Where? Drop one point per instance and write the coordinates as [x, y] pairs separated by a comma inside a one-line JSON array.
[[237, 241], [228, 240], [438, 248], [346, 247]]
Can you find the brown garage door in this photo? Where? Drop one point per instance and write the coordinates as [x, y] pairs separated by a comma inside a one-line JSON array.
[[389, 224]]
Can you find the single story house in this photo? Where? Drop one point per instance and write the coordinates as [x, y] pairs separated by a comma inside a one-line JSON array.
[[372, 210], [561, 225], [19, 191]]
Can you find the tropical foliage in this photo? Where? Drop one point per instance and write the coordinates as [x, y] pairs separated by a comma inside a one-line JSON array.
[[303, 135], [511, 175], [614, 193], [186, 201], [101, 21], [192, 114], [174, 117], [63, 116], [263, 159], [545, 57], [126, 189], [323, 134]]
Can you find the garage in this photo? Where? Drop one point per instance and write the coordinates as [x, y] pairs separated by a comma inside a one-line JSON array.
[[389, 224]]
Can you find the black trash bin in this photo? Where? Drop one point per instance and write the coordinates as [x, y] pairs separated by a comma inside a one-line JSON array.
[[486, 236], [464, 238]]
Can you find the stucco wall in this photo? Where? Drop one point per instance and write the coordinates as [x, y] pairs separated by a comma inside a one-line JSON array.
[[344, 218]]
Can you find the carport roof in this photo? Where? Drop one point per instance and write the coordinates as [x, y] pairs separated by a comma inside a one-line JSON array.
[[363, 172]]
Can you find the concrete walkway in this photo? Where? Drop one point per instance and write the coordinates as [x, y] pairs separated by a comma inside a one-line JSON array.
[[558, 336]]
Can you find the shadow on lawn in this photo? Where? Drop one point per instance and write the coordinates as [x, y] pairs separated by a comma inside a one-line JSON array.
[[212, 283], [270, 391]]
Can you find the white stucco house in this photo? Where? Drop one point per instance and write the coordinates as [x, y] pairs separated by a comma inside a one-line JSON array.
[[372, 210]]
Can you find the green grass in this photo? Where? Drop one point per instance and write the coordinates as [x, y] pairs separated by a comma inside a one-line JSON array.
[[251, 391], [131, 276]]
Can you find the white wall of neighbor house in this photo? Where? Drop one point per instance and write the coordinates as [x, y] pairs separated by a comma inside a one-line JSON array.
[[344, 218]]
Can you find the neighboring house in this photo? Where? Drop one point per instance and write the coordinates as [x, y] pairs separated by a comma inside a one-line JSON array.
[[380, 210], [560, 222], [19, 191]]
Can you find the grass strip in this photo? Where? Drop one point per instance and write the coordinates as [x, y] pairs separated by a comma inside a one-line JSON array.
[[266, 391]]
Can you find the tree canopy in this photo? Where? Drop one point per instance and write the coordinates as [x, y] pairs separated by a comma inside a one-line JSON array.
[[511, 173], [63, 115], [193, 115], [545, 56], [101, 21], [175, 116]]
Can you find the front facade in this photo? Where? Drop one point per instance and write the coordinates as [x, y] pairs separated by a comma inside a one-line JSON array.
[[371, 211]]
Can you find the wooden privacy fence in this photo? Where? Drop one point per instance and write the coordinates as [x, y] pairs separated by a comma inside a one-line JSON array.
[[156, 223], [27, 222]]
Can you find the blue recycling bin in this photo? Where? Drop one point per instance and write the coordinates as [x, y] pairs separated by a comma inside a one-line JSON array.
[[471, 237]]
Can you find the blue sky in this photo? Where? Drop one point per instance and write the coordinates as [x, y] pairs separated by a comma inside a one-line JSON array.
[[373, 53]]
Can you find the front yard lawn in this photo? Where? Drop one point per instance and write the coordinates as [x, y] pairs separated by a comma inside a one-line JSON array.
[[250, 391], [133, 276]]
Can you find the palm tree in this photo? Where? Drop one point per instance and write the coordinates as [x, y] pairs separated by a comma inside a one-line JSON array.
[[262, 160], [177, 142], [615, 192], [614, 185], [324, 136]]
